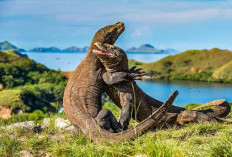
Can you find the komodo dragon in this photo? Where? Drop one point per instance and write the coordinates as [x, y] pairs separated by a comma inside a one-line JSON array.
[[115, 59], [125, 94], [82, 96]]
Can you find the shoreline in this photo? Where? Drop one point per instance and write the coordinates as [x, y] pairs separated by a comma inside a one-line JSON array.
[[151, 78], [68, 74]]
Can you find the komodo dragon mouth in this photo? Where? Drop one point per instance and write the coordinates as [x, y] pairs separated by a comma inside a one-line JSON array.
[[99, 49]]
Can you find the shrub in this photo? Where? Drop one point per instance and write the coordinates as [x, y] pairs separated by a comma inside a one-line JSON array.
[[36, 115], [20, 71], [40, 96], [167, 64]]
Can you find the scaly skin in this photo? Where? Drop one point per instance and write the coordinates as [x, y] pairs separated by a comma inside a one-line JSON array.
[[222, 109], [115, 59], [126, 94], [82, 96]]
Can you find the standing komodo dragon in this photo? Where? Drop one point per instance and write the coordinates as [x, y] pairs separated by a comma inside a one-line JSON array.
[[82, 96], [126, 94]]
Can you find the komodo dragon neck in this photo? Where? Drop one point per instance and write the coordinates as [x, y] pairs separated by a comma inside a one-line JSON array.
[[112, 57], [109, 34]]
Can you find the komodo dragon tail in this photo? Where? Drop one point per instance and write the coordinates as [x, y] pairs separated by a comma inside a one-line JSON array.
[[222, 108], [92, 130]]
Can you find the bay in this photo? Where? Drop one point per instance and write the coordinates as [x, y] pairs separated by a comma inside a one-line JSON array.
[[189, 91]]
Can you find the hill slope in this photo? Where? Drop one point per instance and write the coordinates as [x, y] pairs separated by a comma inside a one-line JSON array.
[[27, 84], [224, 72], [200, 65]]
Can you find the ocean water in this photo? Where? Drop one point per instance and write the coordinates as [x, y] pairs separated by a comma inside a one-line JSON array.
[[69, 61]]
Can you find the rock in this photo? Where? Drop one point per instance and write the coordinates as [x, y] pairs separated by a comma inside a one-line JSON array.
[[23, 125], [46, 122], [62, 123], [59, 123], [26, 153], [41, 153], [70, 128]]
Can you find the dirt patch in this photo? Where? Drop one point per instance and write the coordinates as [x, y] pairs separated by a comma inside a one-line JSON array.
[[1, 86], [5, 112], [192, 69]]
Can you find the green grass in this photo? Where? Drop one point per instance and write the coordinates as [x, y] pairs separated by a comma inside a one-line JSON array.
[[199, 65], [12, 52], [191, 106], [224, 72], [7, 56], [202, 139], [11, 98]]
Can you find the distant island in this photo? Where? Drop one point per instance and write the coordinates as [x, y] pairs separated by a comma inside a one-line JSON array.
[[42, 49], [5, 45], [147, 48], [76, 49], [55, 49], [151, 49]]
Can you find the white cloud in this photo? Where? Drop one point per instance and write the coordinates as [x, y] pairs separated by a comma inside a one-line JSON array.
[[76, 11], [136, 33]]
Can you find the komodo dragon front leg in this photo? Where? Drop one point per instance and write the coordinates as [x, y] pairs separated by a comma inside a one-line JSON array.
[[105, 118], [118, 80], [115, 59]]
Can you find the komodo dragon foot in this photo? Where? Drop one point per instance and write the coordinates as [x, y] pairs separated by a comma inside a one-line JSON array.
[[107, 121]]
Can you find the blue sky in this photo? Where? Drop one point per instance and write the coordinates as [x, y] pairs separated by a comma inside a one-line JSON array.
[[179, 24]]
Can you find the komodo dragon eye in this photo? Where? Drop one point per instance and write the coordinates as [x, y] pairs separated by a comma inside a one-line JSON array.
[[111, 34]]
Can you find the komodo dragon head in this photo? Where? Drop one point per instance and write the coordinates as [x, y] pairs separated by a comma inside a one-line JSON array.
[[109, 34], [112, 57]]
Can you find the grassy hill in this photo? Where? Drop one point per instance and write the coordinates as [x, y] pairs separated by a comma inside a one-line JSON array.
[[27, 84], [224, 72], [199, 65], [8, 56]]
